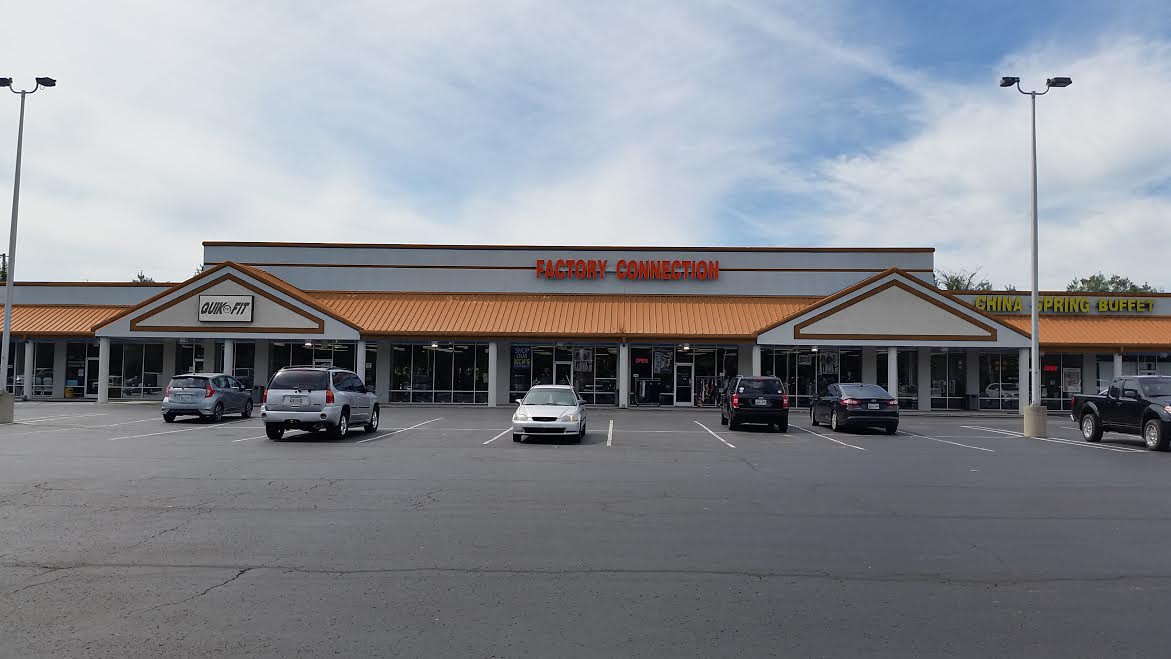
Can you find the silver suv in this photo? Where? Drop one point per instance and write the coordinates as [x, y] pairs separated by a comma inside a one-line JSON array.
[[314, 398]]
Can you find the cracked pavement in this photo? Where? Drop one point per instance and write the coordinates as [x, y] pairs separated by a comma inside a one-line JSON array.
[[430, 543]]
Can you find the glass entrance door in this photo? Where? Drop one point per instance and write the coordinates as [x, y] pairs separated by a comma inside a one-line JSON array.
[[563, 373], [91, 377], [683, 385]]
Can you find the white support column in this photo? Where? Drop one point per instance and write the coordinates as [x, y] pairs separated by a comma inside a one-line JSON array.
[[503, 374], [360, 361], [382, 368], [1023, 379], [623, 375], [29, 360], [170, 346], [756, 359], [924, 378], [892, 371], [744, 363], [972, 374], [229, 356], [104, 369], [1117, 365], [59, 369], [493, 369], [260, 364], [869, 365]]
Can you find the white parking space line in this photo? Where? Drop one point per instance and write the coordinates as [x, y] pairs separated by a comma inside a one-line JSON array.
[[248, 438], [709, 431], [936, 439], [54, 418], [610, 434], [829, 438], [395, 432], [699, 432], [171, 432], [502, 433], [1116, 449]]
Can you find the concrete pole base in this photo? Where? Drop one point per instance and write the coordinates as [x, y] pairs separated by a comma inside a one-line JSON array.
[[1036, 420], [7, 409]]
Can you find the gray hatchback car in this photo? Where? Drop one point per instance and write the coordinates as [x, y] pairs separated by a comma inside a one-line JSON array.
[[315, 398], [207, 395]]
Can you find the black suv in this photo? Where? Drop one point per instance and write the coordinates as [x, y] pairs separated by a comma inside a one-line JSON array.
[[755, 399]]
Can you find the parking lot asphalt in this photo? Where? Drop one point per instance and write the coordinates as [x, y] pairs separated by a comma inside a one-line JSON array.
[[663, 534]]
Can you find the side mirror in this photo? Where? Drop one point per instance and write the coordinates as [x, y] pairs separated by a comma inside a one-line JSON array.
[[581, 401], [369, 388], [520, 401]]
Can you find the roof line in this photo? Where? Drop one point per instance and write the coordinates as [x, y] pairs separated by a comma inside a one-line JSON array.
[[589, 248]]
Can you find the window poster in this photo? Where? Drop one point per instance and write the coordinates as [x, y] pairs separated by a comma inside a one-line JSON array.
[[1071, 380]]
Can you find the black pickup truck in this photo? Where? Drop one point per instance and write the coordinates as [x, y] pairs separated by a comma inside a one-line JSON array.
[[1134, 405]]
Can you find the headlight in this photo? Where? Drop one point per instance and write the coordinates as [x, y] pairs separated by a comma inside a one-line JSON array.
[[520, 416], [1167, 409], [568, 416]]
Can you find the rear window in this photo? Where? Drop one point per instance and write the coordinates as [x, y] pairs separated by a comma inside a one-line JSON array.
[[864, 391], [188, 383], [1157, 387], [760, 386], [300, 380]]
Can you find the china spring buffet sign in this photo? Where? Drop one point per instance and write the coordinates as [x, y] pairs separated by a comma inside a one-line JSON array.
[[1067, 304]]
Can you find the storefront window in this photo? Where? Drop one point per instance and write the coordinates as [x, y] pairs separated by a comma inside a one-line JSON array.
[[244, 368], [948, 380], [439, 373], [591, 369], [15, 380], [43, 369], [999, 381]]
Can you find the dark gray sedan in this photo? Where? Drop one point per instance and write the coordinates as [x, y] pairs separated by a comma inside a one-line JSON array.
[[207, 395]]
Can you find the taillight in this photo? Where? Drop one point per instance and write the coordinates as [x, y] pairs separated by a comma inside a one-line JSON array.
[[849, 401], [784, 400], [208, 392], [264, 397], [893, 402], [328, 396], [168, 391], [736, 400]]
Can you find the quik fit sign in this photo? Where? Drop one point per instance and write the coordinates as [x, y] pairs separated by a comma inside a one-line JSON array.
[[225, 308]]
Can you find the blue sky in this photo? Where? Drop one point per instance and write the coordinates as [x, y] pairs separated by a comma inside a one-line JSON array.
[[697, 123]]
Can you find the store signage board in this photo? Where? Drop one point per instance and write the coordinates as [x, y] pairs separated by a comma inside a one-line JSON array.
[[651, 270], [225, 308], [1068, 304]]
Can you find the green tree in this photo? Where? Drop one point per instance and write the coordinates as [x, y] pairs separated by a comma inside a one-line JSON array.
[[962, 280], [142, 278], [1100, 283]]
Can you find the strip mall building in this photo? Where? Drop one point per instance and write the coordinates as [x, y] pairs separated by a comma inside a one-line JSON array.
[[628, 326]]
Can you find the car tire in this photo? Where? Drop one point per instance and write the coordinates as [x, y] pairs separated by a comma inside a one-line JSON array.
[[813, 418], [723, 418], [783, 427], [833, 422], [247, 412], [169, 417], [516, 437], [342, 428], [274, 431], [890, 430], [1153, 435], [732, 425], [1091, 427], [217, 413], [372, 425]]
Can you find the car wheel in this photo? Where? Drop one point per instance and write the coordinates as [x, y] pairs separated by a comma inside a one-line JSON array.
[[372, 426], [732, 425], [247, 413], [516, 437], [834, 425], [217, 413], [169, 417], [342, 428], [723, 418], [783, 427], [274, 431], [1091, 428], [890, 430], [813, 418], [1154, 436]]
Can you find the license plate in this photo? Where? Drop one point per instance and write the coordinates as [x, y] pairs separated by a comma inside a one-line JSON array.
[[761, 402], [872, 406], [185, 397], [294, 401]]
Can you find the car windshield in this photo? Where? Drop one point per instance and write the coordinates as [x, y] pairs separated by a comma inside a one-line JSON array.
[[864, 391], [188, 383], [561, 397], [1157, 387], [760, 386], [300, 379]]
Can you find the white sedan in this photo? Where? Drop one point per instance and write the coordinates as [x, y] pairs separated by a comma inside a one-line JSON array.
[[550, 410]]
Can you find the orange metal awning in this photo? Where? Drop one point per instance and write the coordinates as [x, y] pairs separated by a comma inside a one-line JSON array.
[[60, 319], [560, 316], [1103, 332]]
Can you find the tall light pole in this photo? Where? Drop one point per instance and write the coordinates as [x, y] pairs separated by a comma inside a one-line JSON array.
[[8, 275], [1035, 414]]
